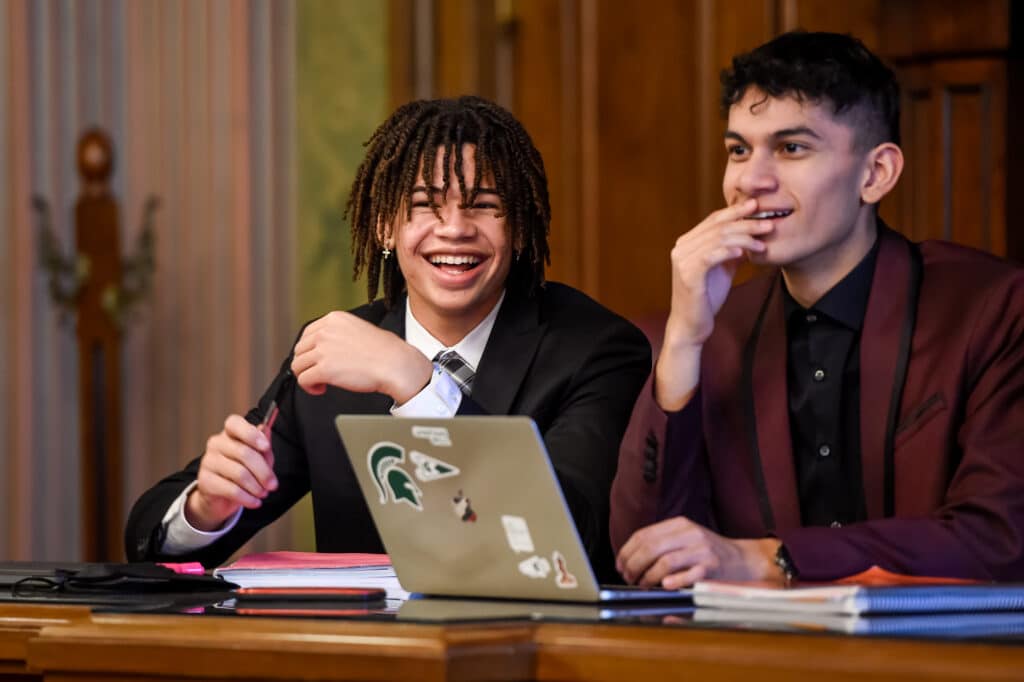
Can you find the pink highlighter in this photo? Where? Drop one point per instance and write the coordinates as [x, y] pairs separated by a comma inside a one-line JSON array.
[[189, 568]]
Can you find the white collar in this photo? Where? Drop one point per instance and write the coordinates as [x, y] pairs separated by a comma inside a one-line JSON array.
[[470, 347]]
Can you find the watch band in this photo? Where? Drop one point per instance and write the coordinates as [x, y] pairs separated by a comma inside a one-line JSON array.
[[785, 564]]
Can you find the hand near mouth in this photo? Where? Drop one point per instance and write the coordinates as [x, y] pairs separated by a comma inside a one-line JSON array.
[[704, 262]]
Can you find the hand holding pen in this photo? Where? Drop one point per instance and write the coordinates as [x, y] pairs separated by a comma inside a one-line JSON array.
[[237, 469]]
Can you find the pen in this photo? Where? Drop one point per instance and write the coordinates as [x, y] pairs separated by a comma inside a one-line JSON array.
[[277, 391], [268, 418]]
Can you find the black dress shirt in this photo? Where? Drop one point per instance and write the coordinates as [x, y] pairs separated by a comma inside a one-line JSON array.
[[823, 385]]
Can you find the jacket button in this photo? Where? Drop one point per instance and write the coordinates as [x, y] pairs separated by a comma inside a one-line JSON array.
[[651, 447], [650, 471]]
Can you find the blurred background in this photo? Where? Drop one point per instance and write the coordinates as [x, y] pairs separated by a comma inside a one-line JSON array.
[[246, 119]]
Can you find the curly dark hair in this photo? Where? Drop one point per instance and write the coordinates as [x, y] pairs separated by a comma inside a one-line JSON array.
[[410, 139], [822, 67]]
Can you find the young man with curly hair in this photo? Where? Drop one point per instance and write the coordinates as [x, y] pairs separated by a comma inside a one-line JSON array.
[[450, 217]]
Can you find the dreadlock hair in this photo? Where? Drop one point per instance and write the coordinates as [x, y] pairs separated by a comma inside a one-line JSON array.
[[823, 68], [410, 140]]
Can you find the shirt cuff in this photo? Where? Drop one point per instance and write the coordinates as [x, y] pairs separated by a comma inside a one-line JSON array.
[[439, 398], [180, 536]]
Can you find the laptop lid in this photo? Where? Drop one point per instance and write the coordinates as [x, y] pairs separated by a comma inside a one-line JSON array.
[[470, 506]]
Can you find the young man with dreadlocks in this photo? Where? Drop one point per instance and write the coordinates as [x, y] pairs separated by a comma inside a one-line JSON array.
[[450, 214], [861, 404]]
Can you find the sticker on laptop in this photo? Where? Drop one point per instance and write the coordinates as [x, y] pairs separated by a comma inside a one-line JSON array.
[[535, 567], [431, 468], [463, 510], [437, 435], [518, 533], [563, 578], [392, 481]]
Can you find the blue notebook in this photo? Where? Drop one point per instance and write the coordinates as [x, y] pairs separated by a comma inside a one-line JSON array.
[[947, 625], [860, 599]]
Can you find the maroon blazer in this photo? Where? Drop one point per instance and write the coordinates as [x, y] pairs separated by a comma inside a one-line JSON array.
[[955, 472]]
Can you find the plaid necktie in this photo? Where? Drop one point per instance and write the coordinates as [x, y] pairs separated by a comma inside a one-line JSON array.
[[452, 362]]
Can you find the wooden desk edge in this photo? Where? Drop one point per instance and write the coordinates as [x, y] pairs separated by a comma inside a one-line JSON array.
[[609, 652], [20, 622], [274, 648], [226, 647]]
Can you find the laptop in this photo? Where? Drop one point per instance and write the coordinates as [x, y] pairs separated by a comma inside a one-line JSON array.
[[470, 507]]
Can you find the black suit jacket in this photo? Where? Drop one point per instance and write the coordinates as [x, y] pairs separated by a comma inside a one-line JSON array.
[[558, 357]]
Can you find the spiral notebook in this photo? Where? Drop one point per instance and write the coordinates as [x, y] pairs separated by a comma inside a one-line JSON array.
[[314, 569], [946, 625], [862, 599]]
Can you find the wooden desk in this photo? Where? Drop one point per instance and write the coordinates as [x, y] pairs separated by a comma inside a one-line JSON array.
[[609, 652], [21, 622], [146, 647]]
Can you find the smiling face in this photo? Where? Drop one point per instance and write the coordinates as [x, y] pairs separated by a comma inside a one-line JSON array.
[[802, 165], [455, 261]]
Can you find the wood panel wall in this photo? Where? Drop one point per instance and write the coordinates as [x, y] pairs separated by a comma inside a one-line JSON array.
[[954, 128], [954, 64], [622, 101]]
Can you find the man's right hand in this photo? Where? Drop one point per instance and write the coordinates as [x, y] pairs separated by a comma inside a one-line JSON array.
[[237, 470], [704, 262]]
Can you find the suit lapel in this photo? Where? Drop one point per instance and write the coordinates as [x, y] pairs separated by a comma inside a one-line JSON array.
[[771, 409], [879, 353], [394, 319], [510, 350]]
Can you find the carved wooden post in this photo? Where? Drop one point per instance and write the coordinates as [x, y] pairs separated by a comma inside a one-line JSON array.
[[99, 352]]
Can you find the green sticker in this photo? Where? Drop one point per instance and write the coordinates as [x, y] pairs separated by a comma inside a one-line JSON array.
[[403, 489], [391, 480], [383, 456]]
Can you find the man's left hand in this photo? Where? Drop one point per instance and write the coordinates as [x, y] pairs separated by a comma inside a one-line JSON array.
[[678, 552]]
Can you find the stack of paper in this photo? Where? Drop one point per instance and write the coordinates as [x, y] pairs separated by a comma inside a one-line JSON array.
[[314, 569], [860, 599], [873, 602]]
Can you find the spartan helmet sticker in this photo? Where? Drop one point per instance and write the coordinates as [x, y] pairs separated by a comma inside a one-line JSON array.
[[391, 480]]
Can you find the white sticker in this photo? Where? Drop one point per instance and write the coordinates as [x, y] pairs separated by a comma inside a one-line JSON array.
[[535, 567], [463, 508], [437, 435], [431, 468], [518, 533], [563, 578]]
